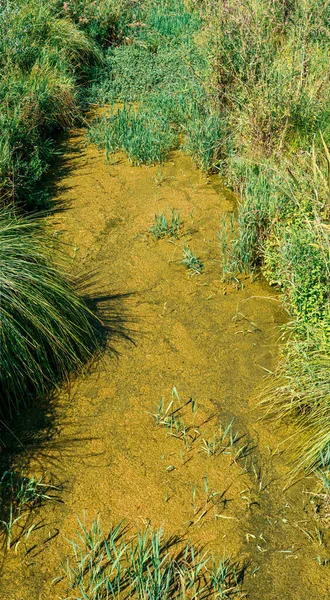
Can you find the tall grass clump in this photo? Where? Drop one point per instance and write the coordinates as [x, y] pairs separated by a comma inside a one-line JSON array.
[[144, 566], [272, 80], [47, 329], [301, 391]]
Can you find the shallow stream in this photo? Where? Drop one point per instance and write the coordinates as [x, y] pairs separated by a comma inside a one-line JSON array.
[[212, 342]]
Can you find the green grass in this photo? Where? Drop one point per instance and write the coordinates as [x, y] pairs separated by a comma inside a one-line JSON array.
[[301, 391], [282, 228], [164, 72], [272, 77], [222, 442], [100, 21], [43, 58], [143, 136], [19, 496], [145, 565], [47, 329], [191, 261]]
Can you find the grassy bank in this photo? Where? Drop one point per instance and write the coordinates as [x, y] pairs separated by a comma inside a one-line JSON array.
[[272, 78], [43, 59], [47, 329], [47, 53]]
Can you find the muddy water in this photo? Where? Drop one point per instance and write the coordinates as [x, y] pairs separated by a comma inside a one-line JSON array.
[[215, 344]]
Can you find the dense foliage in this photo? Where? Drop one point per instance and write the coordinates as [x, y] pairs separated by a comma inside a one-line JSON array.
[[160, 76]]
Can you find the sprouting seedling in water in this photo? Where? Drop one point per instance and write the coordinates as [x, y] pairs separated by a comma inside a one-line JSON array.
[[172, 420], [223, 441], [194, 406], [191, 261]]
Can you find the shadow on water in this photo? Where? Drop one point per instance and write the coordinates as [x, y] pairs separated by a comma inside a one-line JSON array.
[[45, 197], [30, 436], [33, 428]]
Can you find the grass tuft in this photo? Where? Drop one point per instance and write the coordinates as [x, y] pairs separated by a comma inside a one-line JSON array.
[[47, 329], [20, 495], [163, 227], [191, 261]]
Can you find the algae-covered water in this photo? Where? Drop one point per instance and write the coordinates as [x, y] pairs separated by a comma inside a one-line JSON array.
[[214, 343]]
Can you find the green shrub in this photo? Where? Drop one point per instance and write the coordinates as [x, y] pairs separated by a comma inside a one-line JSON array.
[[47, 330], [297, 259]]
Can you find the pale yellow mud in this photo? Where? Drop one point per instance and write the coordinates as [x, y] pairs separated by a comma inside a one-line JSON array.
[[215, 344]]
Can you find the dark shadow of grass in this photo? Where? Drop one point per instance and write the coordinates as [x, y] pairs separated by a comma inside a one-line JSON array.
[[29, 433]]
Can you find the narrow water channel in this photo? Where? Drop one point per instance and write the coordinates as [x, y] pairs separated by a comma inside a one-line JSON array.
[[195, 338]]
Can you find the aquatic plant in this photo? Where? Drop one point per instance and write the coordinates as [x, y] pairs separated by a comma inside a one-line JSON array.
[[163, 227], [19, 495], [144, 565], [223, 441], [191, 261], [144, 137]]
